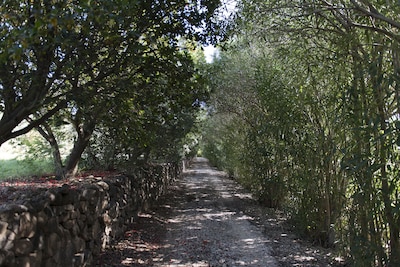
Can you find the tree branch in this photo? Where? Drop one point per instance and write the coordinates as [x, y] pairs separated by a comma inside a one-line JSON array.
[[376, 14], [36, 123]]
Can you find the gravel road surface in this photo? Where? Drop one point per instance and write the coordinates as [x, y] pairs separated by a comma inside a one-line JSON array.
[[208, 229], [207, 219]]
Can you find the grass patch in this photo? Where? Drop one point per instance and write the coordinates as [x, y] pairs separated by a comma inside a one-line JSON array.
[[14, 168]]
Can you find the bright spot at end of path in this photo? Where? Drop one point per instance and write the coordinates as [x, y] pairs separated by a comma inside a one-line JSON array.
[[210, 52]]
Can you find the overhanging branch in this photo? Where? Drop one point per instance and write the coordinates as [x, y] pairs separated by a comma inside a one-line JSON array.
[[36, 123]]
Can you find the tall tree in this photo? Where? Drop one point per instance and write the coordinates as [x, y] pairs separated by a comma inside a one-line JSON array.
[[52, 50], [83, 50]]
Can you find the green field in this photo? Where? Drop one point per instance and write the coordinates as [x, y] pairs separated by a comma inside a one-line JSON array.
[[14, 168]]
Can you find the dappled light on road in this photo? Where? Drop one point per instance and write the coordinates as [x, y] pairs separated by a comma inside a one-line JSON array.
[[209, 220], [207, 230]]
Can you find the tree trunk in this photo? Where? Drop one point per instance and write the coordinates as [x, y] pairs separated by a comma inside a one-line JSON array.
[[394, 258], [395, 232], [85, 131], [47, 133], [362, 252], [55, 150]]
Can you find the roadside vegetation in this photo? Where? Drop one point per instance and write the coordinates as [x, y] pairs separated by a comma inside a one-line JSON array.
[[305, 112]]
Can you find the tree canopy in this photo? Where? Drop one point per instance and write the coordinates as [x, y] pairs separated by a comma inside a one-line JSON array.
[[123, 66]]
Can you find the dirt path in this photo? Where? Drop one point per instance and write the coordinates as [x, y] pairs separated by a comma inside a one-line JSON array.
[[208, 230], [208, 220]]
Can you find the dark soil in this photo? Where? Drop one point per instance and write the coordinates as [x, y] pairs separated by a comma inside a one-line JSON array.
[[11, 189]]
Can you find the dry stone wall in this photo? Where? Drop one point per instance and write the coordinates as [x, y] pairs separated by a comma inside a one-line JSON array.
[[70, 224]]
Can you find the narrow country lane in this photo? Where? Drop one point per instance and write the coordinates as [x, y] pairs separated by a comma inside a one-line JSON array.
[[208, 229], [207, 219]]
